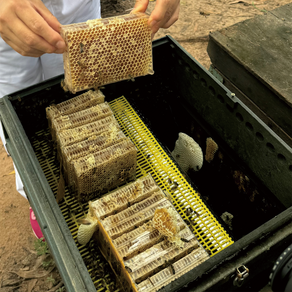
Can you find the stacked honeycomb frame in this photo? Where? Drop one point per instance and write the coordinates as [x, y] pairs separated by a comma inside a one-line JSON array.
[[83, 101], [93, 144], [143, 258], [95, 156], [104, 51], [80, 118], [101, 171]]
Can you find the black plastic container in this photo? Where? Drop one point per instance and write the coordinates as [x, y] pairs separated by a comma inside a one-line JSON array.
[[180, 97]]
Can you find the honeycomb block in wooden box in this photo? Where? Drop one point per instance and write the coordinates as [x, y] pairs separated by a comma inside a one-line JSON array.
[[71, 136], [106, 169], [141, 255], [106, 50], [92, 144], [80, 118], [75, 104]]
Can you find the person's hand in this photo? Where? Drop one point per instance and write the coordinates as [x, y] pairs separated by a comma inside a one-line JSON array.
[[30, 28], [164, 14]]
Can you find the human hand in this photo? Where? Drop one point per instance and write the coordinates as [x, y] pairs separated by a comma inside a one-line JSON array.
[[30, 28], [164, 14]]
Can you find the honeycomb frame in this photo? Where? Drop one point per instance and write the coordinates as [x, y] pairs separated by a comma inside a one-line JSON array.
[[104, 170], [104, 51], [80, 118], [93, 144], [135, 249], [80, 102]]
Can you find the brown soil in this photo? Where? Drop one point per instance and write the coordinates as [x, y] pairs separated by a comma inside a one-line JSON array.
[[20, 266]]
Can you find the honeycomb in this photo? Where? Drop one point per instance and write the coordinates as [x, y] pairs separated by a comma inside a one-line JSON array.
[[211, 149], [187, 153], [173, 271], [120, 199], [104, 51], [71, 136], [164, 221], [88, 227], [95, 155], [106, 169], [136, 249], [80, 118], [84, 148], [159, 254], [126, 220], [80, 102]]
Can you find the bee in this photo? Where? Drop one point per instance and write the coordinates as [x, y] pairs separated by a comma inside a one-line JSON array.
[[190, 212], [208, 251], [81, 76], [82, 65], [129, 270], [131, 78], [169, 181], [150, 281], [184, 239], [81, 48], [172, 269], [170, 266], [71, 213]]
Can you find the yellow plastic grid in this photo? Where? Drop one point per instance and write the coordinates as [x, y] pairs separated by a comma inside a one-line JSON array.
[[152, 159]]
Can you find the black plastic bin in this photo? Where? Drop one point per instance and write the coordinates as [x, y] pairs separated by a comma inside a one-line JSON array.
[[180, 97]]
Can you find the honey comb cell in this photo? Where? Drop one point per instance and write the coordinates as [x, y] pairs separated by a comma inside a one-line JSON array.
[[104, 51]]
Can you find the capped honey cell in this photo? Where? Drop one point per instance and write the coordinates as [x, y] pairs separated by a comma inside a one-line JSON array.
[[104, 51]]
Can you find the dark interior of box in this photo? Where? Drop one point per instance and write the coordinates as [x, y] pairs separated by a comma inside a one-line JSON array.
[[225, 184]]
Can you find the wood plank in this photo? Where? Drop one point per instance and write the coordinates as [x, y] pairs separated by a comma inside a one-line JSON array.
[[256, 55]]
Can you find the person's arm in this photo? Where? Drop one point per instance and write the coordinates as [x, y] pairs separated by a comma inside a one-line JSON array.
[[30, 28], [164, 14]]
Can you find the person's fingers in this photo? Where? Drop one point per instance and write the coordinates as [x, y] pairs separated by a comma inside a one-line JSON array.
[[38, 25], [21, 34], [164, 14], [170, 17], [140, 6], [18, 46], [48, 16], [30, 28]]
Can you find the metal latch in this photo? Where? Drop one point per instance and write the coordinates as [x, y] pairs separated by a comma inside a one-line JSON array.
[[241, 274]]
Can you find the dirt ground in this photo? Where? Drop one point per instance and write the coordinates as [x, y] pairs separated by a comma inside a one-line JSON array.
[[21, 269]]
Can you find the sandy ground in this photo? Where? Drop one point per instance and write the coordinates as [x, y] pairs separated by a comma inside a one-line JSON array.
[[17, 252]]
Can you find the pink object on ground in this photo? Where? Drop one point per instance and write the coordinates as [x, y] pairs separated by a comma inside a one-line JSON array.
[[34, 225]]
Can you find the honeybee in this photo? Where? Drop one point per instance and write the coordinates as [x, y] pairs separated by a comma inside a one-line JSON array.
[[82, 65], [81, 48]]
